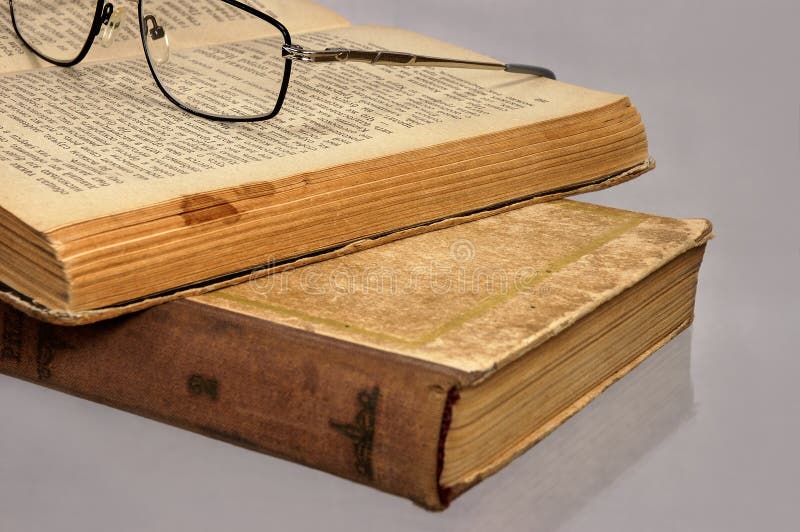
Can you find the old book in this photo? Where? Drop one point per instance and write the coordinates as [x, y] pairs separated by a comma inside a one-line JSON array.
[[112, 195], [419, 367]]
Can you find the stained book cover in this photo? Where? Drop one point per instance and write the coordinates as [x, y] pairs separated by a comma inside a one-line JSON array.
[[354, 365]]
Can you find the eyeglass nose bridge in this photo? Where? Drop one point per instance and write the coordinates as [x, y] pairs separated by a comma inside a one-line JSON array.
[[157, 40], [111, 20]]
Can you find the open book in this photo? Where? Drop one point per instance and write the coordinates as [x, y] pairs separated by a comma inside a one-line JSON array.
[[113, 195]]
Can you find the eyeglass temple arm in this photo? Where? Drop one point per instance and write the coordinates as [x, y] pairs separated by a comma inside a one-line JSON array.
[[342, 55]]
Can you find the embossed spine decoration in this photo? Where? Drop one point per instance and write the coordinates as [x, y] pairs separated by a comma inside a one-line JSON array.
[[199, 385], [45, 352], [11, 348], [362, 431]]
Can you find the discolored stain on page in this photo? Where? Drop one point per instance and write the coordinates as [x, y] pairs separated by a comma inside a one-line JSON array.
[[202, 208]]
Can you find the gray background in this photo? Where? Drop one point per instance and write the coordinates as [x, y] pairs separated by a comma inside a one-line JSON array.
[[704, 437]]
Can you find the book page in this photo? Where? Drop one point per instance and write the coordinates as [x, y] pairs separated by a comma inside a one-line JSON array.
[[186, 18], [100, 139]]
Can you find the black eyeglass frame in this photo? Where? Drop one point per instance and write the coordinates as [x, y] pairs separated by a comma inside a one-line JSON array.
[[287, 68], [97, 25], [290, 53]]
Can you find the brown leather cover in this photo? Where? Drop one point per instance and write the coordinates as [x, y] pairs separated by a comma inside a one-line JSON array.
[[353, 411]]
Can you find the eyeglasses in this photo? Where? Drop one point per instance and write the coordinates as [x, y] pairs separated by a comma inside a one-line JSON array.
[[241, 81]]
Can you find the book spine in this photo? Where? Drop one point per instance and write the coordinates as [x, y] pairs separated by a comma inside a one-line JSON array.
[[363, 414]]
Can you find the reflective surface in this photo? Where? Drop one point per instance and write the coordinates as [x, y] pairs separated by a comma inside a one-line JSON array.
[[719, 88]]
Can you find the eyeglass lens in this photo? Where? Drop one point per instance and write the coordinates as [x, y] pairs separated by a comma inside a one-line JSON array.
[[210, 57], [57, 29], [220, 69]]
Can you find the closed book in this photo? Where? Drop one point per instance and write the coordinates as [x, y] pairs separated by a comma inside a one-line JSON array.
[[418, 367]]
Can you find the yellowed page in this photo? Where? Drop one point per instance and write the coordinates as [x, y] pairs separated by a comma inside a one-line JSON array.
[[100, 139], [298, 16]]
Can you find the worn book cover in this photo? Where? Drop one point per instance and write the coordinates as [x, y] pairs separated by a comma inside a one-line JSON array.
[[418, 367]]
